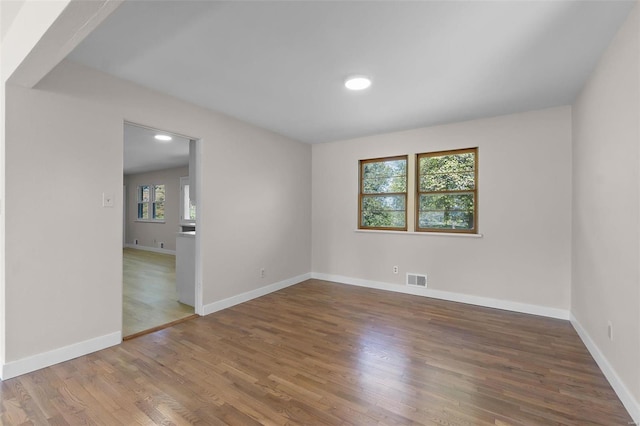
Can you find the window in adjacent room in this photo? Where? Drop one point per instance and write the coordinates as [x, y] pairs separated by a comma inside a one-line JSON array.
[[151, 201], [187, 206], [383, 194], [447, 191]]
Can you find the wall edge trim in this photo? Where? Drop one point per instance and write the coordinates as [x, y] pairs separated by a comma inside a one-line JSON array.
[[253, 294], [46, 359], [153, 249], [486, 302], [625, 395]]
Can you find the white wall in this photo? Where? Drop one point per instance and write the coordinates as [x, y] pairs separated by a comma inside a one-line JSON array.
[[64, 148], [64, 268], [147, 232], [606, 214], [524, 211], [16, 44]]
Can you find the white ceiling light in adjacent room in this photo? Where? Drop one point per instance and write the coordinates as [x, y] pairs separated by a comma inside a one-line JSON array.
[[163, 138], [357, 82]]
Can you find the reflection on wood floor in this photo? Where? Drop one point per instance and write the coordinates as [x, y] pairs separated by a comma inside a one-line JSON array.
[[319, 353], [150, 299]]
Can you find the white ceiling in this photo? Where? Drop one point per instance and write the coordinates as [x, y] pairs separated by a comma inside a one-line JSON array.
[[9, 9], [143, 153], [281, 65]]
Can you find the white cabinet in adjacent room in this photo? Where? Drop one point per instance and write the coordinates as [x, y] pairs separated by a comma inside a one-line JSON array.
[[186, 267]]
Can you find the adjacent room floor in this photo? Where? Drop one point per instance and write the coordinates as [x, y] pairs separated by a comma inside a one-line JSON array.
[[326, 354], [149, 291]]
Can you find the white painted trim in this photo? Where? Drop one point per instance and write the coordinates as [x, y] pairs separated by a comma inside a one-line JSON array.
[[200, 226], [245, 297], [625, 395], [153, 249], [45, 33], [46, 359], [437, 234], [487, 302]]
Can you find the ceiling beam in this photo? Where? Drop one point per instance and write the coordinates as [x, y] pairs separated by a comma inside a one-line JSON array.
[[45, 32]]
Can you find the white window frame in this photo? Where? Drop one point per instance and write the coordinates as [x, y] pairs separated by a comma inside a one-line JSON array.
[[184, 202], [151, 202]]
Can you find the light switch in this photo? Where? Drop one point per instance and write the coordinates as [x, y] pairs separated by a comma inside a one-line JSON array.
[[107, 199]]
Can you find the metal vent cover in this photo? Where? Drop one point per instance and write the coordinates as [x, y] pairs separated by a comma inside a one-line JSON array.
[[416, 280]]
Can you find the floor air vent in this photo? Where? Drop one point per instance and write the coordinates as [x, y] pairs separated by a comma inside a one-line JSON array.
[[417, 280]]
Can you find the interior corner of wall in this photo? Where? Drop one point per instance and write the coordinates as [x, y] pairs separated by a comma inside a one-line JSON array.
[[2, 222]]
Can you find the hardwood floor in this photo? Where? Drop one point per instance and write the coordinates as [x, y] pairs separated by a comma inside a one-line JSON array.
[[323, 353], [149, 291]]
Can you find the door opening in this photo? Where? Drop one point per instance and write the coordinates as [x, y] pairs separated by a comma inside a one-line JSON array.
[[159, 270]]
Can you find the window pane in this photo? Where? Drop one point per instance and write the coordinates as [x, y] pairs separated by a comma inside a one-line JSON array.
[[447, 181], [393, 219], [143, 210], [143, 193], [188, 207], [446, 211], [450, 172], [158, 210], [383, 211], [384, 176], [448, 163], [458, 201], [379, 185], [379, 179], [440, 220], [185, 202], [158, 192]]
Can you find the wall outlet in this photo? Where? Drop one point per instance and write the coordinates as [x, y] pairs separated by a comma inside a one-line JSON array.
[[135, 242], [262, 273], [396, 269], [161, 245], [610, 331]]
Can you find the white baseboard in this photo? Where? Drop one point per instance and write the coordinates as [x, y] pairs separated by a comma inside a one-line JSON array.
[[450, 296], [626, 397], [153, 249], [245, 297], [46, 359]]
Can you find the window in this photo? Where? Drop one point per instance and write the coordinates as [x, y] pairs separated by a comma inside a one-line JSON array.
[[151, 199], [143, 201], [447, 191], [187, 206], [383, 194]]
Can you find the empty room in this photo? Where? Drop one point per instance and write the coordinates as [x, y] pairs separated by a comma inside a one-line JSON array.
[[408, 212]]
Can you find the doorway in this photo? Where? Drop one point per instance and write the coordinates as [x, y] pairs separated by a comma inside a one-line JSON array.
[[156, 293]]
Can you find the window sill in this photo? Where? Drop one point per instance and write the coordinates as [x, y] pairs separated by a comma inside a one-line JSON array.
[[437, 234], [150, 221]]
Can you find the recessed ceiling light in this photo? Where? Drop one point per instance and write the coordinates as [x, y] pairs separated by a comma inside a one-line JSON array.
[[163, 138], [357, 82]]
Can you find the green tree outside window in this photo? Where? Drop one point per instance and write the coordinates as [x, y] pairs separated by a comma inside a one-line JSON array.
[[447, 191], [383, 193]]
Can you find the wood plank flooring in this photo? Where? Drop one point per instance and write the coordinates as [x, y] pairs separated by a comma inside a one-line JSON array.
[[320, 353], [149, 291]]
